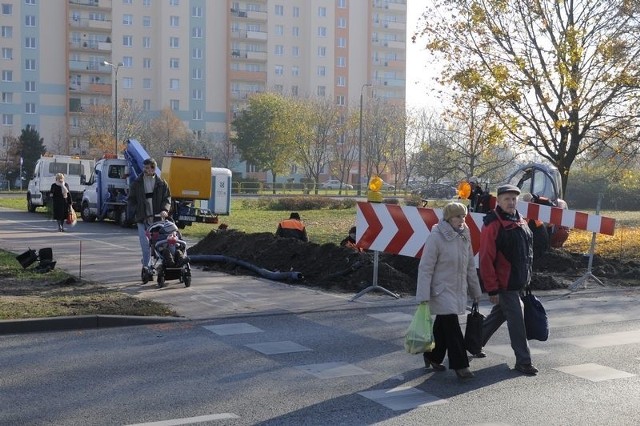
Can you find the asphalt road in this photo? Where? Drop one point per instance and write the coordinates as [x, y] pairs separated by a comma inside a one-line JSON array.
[[259, 352]]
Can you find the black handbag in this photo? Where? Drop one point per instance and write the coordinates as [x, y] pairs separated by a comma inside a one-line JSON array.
[[535, 317], [473, 330]]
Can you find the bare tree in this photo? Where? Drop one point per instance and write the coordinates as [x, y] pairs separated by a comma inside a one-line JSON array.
[[563, 77]]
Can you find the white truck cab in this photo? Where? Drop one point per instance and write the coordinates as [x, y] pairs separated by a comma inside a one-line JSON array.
[[44, 175]]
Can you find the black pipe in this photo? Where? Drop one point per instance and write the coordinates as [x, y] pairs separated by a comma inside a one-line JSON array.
[[204, 258]]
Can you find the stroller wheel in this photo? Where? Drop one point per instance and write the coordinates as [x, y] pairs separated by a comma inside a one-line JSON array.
[[144, 275], [161, 279], [187, 280]]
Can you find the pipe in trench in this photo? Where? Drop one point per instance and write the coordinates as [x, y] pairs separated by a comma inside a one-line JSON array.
[[265, 273]]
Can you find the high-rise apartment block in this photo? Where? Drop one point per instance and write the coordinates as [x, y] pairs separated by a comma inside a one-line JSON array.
[[200, 58]]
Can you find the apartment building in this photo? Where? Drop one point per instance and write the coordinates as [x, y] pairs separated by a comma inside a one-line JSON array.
[[200, 58]]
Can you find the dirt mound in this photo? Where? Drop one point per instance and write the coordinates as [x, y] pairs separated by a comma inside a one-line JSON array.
[[336, 268]]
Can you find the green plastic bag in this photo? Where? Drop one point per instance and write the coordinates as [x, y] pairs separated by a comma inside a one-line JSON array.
[[419, 337]]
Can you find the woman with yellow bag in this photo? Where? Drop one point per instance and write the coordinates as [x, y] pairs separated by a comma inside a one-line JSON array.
[[446, 275]]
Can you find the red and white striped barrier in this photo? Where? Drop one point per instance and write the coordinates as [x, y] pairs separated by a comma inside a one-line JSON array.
[[403, 230]]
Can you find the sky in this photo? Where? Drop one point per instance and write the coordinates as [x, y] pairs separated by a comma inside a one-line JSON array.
[[419, 71]]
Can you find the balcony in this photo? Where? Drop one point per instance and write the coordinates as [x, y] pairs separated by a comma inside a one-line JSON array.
[[396, 7], [248, 76], [257, 56]]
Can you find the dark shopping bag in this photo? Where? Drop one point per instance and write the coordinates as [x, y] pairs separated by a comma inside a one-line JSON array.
[[473, 330], [535, 317], [419, 337]]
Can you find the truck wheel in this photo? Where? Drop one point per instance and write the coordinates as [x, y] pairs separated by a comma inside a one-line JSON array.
[[30, 207], [85, 213]]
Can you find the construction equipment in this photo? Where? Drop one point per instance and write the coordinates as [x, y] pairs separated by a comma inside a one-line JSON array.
[[190, 181]]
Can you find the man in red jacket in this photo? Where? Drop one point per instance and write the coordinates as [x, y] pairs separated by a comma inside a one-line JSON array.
[[506, 258]]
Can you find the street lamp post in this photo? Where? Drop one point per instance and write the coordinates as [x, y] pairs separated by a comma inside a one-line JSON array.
[[115, 127], [360, 143]]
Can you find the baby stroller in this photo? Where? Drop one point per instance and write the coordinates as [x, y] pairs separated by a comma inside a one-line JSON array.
[[168, 254]]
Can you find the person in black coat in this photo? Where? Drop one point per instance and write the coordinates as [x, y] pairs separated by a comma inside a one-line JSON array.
[[61, 199]]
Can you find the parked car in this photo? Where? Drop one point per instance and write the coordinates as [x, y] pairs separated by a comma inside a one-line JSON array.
[[387, 186], [335, 184], [437, 190]]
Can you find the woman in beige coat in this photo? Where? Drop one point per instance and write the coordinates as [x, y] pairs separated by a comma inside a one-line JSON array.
[[446, 274]]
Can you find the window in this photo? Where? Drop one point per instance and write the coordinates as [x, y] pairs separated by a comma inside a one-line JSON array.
[[127, 83], [341, 62], [30, 2], [30, 64], [126, 1], [7, 98], [146, 83], [279, 30], [295, 71], [6, 31], [322, 12], [279, 10], [30, 108], [295, 51], [127, 41], [7, 53], [174, 42], [196, 12], [127, 19], [29, 86], [197, 114], [30, 42], [342, 42], [295, 31], [196, 53], [174, 21], [174, 2], [7, 119], [342, 81], [196, 32], [197, 74], [174, 104], [146, 3], [146, 42], [322, 51], [340, 100], [322, 31], [127, 61], [279, 70], [146, 104], [7, 9], [294, 90], [279, 50], [342, 23], [322, 71], [296, 12], [146, 63], [342, 4], [174, 84], [146, 21], [174, 63], [279, 88], [29, 21], [321, 91], [196, 94], [7, 75]]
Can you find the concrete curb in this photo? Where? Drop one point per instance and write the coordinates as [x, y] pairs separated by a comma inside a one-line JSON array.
[[31, 325]]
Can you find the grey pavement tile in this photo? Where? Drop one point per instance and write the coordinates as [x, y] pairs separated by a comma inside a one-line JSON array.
[[234, 328], [390, 317], [332, 370], [507, 351], [402, 398], [594, 372], [273, 348]]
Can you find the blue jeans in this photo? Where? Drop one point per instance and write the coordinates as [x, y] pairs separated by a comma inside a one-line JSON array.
[[144, 243]]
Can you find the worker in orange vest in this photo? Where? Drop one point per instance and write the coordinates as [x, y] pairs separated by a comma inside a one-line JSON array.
[[292, 228]]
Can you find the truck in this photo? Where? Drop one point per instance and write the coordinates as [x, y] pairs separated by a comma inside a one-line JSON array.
[[75, 170], [190, 181]]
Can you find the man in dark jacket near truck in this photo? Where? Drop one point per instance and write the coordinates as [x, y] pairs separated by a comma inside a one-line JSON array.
[[506, 258]]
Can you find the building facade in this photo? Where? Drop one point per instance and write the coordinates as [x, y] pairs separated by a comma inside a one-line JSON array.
[[200, 58]]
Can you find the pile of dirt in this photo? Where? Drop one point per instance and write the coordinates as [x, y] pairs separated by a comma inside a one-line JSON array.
[[336, 268]]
